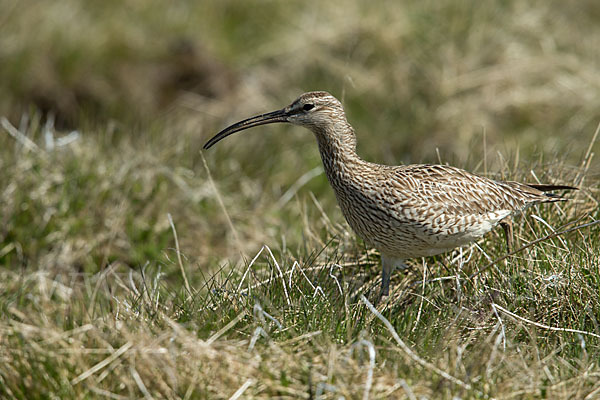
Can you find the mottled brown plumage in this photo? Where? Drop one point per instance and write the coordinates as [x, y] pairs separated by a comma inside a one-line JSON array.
[[403, 211]]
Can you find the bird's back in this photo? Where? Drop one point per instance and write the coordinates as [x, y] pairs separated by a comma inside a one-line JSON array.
[[419, 210]]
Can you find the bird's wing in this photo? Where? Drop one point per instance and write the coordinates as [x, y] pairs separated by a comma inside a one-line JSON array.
[[452, 191]]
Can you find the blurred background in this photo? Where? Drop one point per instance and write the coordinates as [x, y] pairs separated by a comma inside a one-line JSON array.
[[501, 88]]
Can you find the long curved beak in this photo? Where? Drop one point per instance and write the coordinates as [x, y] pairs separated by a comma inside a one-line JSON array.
[[263, 119]]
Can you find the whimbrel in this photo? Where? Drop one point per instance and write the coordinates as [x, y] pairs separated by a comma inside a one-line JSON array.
[[404, 211]]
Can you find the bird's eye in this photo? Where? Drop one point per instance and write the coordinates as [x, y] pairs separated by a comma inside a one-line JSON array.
[[308, 107]]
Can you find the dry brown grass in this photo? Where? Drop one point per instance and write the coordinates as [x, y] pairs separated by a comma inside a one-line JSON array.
[[93, 302]]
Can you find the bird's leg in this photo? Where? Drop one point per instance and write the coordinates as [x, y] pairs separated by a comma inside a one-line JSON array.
[[507, 226], [388, 265]]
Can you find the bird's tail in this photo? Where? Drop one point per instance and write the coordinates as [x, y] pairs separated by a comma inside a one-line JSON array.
[[549, 188]]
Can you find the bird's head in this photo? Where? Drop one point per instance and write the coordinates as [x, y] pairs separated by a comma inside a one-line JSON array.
[[313, 110]]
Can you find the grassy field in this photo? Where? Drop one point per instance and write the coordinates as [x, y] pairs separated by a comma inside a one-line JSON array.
[[133, 264]]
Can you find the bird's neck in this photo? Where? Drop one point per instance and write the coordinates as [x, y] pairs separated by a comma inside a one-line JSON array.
[[337, 145]]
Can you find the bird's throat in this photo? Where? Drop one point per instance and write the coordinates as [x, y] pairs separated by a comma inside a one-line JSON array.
[[338, 153]]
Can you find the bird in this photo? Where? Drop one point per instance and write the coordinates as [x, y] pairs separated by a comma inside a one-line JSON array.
[[405, 211]]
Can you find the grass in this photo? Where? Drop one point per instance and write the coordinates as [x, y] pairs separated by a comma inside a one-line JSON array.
[[133, 267]]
